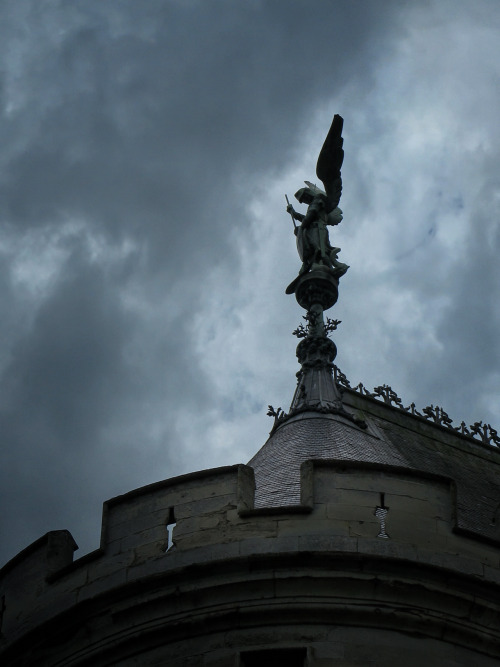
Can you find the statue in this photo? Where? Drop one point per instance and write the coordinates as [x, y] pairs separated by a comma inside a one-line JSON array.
[[316, 288], [313, 242]]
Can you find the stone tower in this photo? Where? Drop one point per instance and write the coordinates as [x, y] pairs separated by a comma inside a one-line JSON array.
[[363, 532]]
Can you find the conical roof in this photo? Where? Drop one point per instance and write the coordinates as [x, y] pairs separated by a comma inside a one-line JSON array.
[[312, 436], [317, 426], [394, 437]]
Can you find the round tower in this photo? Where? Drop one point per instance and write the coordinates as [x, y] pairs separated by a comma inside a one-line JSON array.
[[362, 533]]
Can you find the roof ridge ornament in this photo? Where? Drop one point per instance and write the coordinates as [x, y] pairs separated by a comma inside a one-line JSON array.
[[479, 432]]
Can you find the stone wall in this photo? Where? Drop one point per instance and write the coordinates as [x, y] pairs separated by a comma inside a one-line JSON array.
[[371, 565]]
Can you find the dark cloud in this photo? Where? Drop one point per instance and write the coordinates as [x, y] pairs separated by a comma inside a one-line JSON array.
[[145, 151]]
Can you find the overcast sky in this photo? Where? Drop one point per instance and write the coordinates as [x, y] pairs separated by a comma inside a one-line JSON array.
[[146, 148]]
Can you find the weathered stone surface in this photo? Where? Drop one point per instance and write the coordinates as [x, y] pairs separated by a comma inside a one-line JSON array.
[[240, 579]]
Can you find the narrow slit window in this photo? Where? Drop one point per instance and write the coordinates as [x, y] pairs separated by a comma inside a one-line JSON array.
[[171, 523], [381, 514]]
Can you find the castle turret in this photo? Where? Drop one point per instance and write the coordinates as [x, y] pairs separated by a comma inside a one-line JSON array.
[[363, 532]]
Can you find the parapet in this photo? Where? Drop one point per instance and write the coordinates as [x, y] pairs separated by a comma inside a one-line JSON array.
[[349, 513]]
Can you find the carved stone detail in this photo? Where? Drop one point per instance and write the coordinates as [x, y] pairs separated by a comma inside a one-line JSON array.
[[340, 378], [387, 395], [320, 286], [478, 431], [437, 415], [486, 433], [316, 352]]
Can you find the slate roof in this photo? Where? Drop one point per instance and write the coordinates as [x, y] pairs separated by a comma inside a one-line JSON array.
[[392, 437]]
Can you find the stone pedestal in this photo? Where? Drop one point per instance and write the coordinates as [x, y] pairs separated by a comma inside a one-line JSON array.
[[318, 287], [316, 389]]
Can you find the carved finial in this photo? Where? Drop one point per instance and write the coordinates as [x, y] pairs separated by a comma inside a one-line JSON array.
[[271, 412], [316, 286]]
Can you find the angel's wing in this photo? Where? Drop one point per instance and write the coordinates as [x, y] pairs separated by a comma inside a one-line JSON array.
[[330, 161]]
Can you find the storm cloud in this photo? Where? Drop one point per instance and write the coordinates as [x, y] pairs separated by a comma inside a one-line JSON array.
[[145, 246]]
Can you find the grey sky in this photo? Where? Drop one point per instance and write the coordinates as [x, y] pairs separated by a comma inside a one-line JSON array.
[[145, 247]]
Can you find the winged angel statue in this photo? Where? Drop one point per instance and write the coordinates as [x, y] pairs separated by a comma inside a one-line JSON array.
[[313, 242]]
